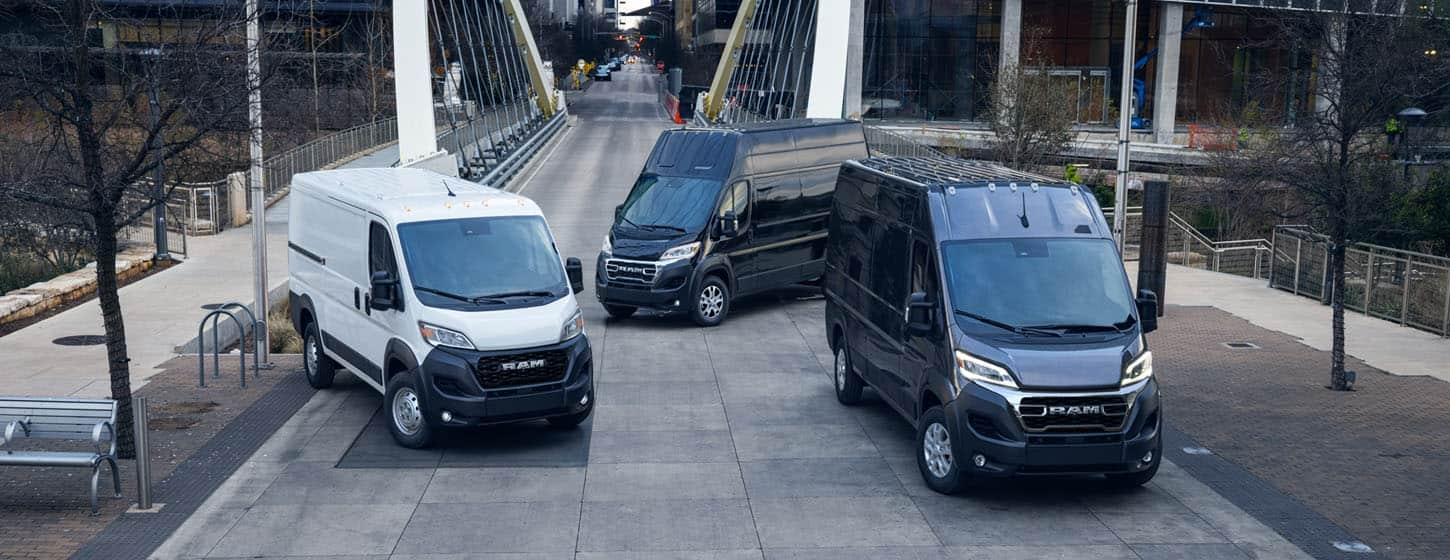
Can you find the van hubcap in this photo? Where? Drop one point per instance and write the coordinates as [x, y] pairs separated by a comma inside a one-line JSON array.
[[311, 355], [936, 448], [712, 301], [407, 414], [841, 370]]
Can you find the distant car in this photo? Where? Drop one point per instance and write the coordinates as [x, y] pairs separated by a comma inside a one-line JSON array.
[[615, 65], [601, 73]]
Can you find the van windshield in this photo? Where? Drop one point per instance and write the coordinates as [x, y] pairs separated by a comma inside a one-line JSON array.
[[670, 205], [1039, 286], [469, 262]]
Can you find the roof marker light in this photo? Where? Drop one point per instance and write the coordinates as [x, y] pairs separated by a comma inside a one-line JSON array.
[[991, 187], [951, 189], [1012, 186], [1034, 187]]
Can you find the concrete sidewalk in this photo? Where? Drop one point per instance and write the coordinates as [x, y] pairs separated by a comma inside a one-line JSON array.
[[1379, 343], [161, 311]]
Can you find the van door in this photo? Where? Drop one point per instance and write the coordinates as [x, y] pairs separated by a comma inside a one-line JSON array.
[[378, 327], [736, 201], [922, 353], [330, 232], [890, 275]]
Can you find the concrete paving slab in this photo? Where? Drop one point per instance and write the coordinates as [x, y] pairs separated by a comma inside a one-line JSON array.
[[803, 478], [757, 443], [811, 410], [667, 525], [662, 447], [840, 522], [961, 521], [861, 553], [491, 527], [1043, 552], [659, 417], [1190, 552], [664, 481], [315, 530], [673, 555], [305, 482], [1161, 528], [748, 387], [658, 393], [480, 485]]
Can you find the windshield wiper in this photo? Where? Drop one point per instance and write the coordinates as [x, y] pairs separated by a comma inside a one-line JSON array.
[[451, 295], [663, 226], [520, 293], [1119, 326], [1007, 326]]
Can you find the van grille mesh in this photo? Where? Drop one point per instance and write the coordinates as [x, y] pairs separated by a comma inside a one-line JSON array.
[[1105, 413], [513, 370]]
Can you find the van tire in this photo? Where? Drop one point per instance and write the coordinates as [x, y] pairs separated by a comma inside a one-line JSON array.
[[407, 420], [620, 312], [847, 383], [938, 459], [711, 302], [319, 368]]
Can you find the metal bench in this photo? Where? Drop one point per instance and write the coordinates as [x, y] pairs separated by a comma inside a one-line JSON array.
[[90, 420]]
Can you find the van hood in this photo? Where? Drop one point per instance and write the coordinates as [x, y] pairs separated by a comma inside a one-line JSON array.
[[507, 329], [1060, 365], [647, 246]]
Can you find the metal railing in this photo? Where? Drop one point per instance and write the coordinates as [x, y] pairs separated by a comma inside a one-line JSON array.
[[1409, 288], [327, 150], [885, 143], [1191, 248]]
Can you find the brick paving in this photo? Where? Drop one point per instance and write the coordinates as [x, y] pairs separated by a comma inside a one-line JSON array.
[[45, 512], [1374, 461]]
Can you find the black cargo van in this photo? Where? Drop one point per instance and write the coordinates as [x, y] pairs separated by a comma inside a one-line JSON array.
[[990, 308], [722, 212]]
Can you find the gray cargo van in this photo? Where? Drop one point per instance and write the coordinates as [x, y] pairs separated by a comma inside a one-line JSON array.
[[722, 212], [989, 307]]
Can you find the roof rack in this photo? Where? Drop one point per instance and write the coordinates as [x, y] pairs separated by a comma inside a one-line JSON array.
[[942, 171]]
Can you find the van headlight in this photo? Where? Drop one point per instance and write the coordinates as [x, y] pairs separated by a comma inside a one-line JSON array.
[[1139, 369], [608, 248], [573, 327], [681, 252], [439, 336], [975, 370]]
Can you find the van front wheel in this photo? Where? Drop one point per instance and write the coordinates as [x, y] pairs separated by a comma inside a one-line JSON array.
[[319, 368], [406, 419], [937, 456], [712, 302]]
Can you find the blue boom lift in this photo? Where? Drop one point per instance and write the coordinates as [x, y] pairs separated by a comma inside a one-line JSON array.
[[1202, 17]]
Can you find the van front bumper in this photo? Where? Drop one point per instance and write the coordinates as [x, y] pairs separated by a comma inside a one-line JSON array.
[[669, 291], [451, 382], [990, 426]]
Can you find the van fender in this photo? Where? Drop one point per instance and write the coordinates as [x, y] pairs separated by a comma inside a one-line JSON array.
[[398, 351], [934, 389], [296, 304], [711, 264]]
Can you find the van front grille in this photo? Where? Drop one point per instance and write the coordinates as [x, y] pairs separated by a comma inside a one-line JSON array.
[[630, 272], [1102, 413], [513, 370]]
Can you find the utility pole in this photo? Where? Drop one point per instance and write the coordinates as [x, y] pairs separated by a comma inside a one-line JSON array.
[[260, 305], [1125, 110]]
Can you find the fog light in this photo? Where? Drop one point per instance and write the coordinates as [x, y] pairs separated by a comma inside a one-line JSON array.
[[447, 416], [585, 400], [1148, 457], [979, 460]]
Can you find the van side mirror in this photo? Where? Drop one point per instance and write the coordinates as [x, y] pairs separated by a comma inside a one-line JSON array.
[[1148, 310], [384, 292], [575, 270], [919, 313], [618, 211], [728, 225]]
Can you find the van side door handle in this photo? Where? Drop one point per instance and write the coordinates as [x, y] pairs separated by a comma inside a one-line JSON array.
[[356, 297]]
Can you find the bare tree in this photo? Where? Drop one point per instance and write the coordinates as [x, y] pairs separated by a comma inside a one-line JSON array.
[[1031, 115], [1368, 68], [93, 138]]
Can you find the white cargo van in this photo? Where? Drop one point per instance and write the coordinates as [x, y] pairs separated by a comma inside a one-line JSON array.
[[448, 297]]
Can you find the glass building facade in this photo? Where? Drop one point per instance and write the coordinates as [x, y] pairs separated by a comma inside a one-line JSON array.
[[935, 60]]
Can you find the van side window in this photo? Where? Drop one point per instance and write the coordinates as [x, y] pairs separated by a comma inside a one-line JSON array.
[[737, 201], [380, 251], [890, 272], [923, 270]]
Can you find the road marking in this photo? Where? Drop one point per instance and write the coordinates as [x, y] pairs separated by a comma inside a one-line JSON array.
[[539, 165]]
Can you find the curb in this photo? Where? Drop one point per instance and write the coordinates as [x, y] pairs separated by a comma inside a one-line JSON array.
[[23, 303]]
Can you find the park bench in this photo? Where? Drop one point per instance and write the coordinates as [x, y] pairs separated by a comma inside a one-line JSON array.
[[90, 420]]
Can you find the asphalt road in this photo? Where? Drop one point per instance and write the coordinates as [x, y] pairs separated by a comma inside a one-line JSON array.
[[722, 443]]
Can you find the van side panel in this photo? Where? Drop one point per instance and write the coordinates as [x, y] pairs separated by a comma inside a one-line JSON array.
[[335, 233]]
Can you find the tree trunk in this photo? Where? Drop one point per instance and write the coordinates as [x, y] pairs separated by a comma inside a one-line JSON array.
[[1337, 380], [110, 299]]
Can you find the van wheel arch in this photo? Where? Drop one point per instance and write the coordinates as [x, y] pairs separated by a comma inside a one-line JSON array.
[[399, 358], [929, 399], [301, 310]]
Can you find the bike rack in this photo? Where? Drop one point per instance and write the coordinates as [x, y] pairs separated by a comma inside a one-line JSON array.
[[215, 317]]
